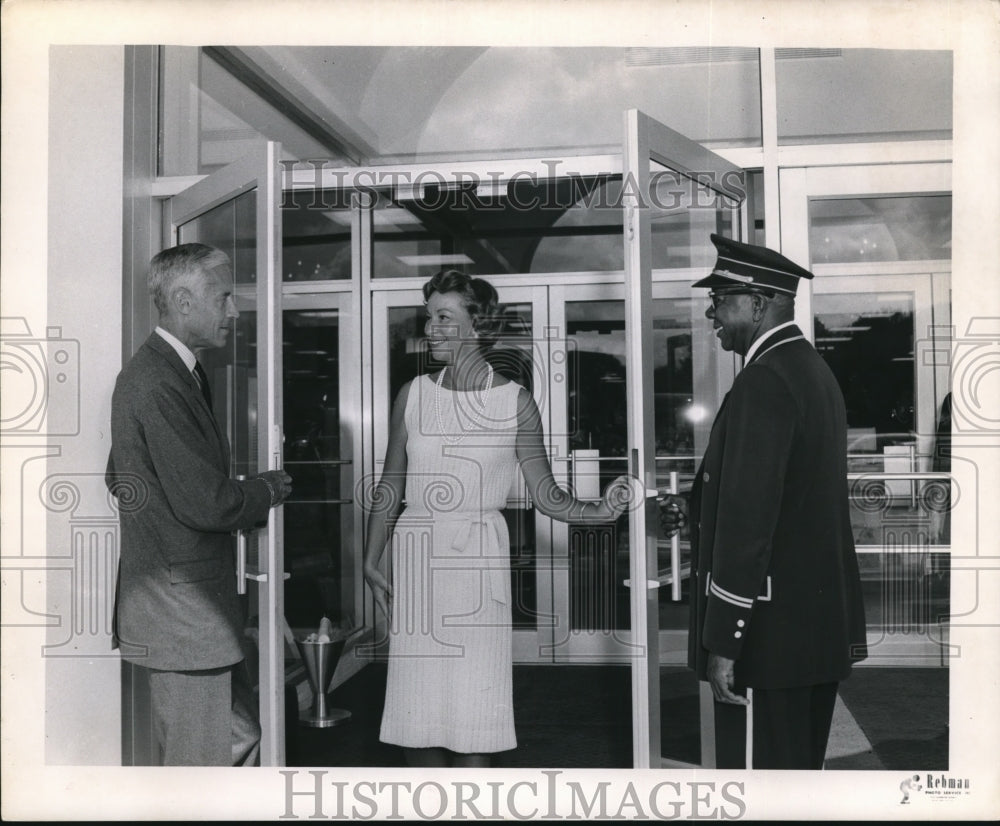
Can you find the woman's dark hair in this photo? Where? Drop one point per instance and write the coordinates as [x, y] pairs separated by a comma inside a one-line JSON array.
[[479, 297]]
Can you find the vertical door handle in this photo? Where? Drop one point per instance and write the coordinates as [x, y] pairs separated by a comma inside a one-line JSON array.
[[241, 556], [241, 562], [675, 551]]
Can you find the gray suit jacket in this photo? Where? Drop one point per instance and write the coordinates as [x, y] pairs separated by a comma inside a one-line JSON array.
[[176, 603]]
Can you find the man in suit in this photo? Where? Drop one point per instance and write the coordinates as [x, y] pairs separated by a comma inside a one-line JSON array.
[[776, 612], [177, 612]]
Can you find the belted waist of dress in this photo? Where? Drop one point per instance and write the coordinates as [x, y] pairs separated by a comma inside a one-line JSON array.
[[493, 544]]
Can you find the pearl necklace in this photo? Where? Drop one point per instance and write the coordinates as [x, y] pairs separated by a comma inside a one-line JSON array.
[[477, 417]]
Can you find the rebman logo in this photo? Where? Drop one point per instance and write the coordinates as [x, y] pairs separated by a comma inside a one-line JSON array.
[[938, 786], [909, 786]]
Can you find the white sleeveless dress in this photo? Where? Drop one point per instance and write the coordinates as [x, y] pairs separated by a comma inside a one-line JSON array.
[[449, 679]]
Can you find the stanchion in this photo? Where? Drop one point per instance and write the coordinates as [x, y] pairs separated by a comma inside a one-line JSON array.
[[321, 659]]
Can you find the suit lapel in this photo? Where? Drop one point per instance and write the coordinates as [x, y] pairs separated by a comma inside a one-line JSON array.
[[176, 363]]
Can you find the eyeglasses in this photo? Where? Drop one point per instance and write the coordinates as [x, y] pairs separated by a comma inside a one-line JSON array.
[[719, 298]]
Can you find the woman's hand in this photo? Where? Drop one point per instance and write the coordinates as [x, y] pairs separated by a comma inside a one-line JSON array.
[[381, 590]]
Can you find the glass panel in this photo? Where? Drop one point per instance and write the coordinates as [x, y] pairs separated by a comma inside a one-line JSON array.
[[512, 356], [684, 214], [232, 370], [708, 94], [208, 118], [756, 206], [684, 365], [901, 525], [940, 503], [597, 423], [596, 414], [907, 600], [870, 351], [895, 95], [318, 543], [688, 367], [883, 508], [570, 224], [867, 339], [316, 235], [238, 375], [597, 409], [583, 232], [399, 104], [677, 413], [561, 225], [897, 228], [680, 414], [230, 227]]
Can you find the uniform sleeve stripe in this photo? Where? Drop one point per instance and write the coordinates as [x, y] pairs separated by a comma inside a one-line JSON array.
[[723, 594]]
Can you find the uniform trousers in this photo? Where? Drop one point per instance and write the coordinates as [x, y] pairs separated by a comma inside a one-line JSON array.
[[205, 718], [791, 727]]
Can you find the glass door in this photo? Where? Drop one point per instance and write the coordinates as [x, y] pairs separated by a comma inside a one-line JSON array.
[[869, 332], [878, 239], [589, 415], [236, 210], [676, 194], [587, 426], [522, 353], [322, 422]]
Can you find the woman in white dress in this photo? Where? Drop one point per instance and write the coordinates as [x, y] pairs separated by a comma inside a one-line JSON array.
[[456, 439]]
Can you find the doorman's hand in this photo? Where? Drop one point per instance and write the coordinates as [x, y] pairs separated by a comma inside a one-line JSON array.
[[720, 677], [673, 513]]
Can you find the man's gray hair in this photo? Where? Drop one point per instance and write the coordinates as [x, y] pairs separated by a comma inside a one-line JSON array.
[[182, 265]]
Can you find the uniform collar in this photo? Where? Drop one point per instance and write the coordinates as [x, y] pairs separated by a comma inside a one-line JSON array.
[[776, 335]]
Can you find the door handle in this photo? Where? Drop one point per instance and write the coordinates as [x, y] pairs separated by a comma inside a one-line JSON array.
[[277, 438], [259, 576], [241, 555], [241, 562], [242, 572], [651, 584], [675, 551]]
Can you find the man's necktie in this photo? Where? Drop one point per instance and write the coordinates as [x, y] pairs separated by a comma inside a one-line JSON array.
[[202, 377]]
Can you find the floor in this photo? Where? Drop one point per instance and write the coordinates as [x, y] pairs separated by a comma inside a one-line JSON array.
[[580, 717]]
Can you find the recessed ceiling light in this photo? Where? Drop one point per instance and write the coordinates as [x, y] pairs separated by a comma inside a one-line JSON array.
[[433, 260]]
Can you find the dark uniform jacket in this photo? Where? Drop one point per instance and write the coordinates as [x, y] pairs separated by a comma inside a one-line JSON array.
[[176, 603], [776, 584]]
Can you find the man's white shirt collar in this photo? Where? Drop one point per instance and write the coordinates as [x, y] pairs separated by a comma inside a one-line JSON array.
[[760, 341], [189, 358]]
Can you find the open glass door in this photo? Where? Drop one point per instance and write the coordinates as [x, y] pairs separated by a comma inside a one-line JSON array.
[[676, 193], [237, 210]]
